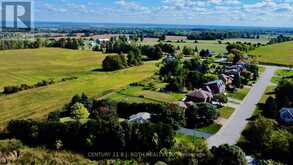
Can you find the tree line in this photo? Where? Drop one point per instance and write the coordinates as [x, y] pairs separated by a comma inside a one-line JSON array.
[[280, 39], [6, 44], [69, 43], [220, 35]]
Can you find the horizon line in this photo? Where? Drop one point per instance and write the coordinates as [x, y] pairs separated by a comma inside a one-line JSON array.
[[215, 25]]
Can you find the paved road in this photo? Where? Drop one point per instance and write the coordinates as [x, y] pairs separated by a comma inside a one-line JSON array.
[[231, 131]]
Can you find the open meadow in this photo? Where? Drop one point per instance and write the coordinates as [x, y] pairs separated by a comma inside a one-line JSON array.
[[277, 54], [30, 66]]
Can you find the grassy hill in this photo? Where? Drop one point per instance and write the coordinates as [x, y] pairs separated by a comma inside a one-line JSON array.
[[29, 66], [277, 54]]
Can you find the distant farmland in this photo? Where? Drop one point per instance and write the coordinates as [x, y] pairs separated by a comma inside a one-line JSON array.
[[29, 66], [277, 54]]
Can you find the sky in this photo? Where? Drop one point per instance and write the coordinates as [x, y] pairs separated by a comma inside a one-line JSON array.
[[272, 13]]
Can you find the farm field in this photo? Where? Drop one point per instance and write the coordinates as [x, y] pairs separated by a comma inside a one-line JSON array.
[[38, 102], [277, 54], [262, 40], [212, 45]]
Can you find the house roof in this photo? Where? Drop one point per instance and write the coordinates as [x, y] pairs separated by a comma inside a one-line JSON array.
[[199, 93]]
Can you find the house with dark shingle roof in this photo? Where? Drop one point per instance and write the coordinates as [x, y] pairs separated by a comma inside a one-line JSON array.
[[199, 95]]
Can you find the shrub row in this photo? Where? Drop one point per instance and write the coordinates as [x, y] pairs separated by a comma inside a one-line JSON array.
[[14, 89]]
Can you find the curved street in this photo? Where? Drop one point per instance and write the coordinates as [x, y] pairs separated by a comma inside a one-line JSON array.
[[231, 131]]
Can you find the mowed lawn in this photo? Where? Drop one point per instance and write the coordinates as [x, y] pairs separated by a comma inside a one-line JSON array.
[[46, 63], [278, 54]]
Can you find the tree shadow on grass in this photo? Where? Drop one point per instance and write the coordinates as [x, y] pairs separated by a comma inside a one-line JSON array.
[[99, 70]]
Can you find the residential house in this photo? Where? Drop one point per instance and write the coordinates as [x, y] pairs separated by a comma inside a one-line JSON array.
[[141, 117], [286, 116], [217, 86], [199, 95]]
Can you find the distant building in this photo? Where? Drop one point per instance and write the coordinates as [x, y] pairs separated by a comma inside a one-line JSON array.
[[102, 41], [169, 58], [199, 95], [142, 117], [216, 87], [286, 116]]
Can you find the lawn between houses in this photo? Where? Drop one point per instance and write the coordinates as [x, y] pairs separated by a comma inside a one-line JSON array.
[[142, 93], [32, 65], [239, 94]]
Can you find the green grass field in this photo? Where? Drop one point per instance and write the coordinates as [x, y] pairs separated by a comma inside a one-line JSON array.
[[277, 54], [139, 94], [212, 129], [187, 139], [29, 66]]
